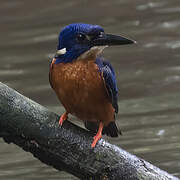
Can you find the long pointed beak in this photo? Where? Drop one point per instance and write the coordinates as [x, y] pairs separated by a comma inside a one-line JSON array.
[[109, 39]]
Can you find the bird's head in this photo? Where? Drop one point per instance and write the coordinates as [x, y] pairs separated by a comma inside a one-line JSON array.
[[85, 40]]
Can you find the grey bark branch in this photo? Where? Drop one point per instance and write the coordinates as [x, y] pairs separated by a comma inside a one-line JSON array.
[[36, 130]]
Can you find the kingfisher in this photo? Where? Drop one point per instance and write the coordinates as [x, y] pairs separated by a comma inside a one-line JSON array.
[[84, 82]]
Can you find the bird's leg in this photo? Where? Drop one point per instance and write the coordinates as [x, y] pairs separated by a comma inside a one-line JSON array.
[[63, 117], [98, 135]]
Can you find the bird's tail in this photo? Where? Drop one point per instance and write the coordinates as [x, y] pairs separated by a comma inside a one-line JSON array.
[[110, 130]]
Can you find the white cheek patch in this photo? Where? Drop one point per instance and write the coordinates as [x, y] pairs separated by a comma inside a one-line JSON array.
[[61, 51]]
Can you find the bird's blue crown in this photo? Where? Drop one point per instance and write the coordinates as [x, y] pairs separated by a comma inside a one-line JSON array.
[[75, 40]]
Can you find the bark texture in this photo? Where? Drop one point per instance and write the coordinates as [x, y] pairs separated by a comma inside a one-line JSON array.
[[35, 129]]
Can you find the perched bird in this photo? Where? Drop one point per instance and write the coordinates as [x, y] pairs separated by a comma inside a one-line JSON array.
[[83, 81]]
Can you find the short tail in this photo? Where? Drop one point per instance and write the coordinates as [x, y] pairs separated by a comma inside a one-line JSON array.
[[110, 130]]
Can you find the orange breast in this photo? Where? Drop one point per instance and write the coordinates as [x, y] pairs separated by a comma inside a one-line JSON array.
[[80, 88]]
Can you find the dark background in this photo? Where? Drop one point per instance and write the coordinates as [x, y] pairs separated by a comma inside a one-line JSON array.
[[148, 73]]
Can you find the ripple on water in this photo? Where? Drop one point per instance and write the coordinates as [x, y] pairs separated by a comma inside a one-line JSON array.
[[173, 44], [169, 10], [11, 72], [170, 24], [172, 79], [45, 38], [148, 5]]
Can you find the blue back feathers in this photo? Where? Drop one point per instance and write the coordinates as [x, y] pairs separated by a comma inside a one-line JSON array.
[[110, 81]]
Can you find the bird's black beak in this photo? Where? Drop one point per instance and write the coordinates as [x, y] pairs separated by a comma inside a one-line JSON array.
[[109, 39]]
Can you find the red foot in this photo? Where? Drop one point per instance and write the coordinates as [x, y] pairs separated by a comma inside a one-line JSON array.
[[63, 117], [98, 135]]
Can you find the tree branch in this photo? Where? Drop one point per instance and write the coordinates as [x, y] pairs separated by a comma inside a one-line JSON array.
[[36, 130]]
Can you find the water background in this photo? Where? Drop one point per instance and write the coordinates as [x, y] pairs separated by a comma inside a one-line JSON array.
[[148, 73]]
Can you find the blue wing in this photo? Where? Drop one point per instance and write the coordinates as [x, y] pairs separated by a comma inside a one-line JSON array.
[[110, 81]]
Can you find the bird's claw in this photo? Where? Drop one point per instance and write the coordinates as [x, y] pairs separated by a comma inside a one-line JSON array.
[[63, 117]]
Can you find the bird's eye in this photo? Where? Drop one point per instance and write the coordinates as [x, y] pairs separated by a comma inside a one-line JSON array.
[[101, 34], [81, 37]]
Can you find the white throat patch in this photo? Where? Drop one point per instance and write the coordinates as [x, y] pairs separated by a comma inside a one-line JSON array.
[[94, 51]]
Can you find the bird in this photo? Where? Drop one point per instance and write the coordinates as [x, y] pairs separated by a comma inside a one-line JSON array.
[[84, 82]]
